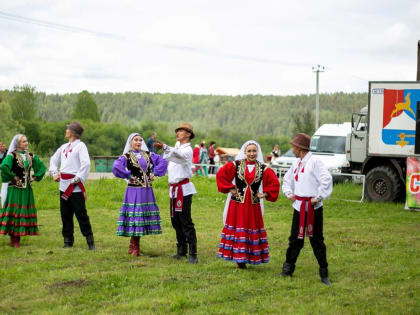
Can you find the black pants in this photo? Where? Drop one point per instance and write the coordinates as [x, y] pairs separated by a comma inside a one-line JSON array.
[[74, 205], [317, 241], [212, 168], [182, 222]]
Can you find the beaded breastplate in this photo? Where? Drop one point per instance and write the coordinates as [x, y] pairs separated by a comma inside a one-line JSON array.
[[21, 173], [242, 185], [139, 177]]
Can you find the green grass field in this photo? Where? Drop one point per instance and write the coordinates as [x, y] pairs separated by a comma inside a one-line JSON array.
[[373, 252]]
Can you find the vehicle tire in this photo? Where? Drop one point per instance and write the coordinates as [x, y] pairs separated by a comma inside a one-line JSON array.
[[382, 184]]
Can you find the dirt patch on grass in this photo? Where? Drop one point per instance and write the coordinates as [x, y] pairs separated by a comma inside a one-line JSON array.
[[80, 283]]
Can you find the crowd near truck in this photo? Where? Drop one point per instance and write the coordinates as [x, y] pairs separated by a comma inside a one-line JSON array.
[[383, 135]]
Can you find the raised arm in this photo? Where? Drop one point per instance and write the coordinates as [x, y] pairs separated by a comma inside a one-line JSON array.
[[159, 163], [177, 155]]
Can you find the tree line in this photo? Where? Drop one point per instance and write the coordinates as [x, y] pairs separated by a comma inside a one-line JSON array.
[[108, 118]]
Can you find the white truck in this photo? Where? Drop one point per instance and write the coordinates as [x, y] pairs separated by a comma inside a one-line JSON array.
[[383, 135], [328, 143]]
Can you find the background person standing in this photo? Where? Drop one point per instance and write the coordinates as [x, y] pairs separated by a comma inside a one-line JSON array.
[[151, 141]]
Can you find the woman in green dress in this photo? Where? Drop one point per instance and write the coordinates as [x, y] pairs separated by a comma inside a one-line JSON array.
[[18, 214]]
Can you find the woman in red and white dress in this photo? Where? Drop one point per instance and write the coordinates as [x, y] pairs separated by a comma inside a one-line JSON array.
[[247, 180]]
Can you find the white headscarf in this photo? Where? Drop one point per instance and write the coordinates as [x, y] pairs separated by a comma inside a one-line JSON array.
[[12, 148], [128, 143], [242, 156], [14, 143]]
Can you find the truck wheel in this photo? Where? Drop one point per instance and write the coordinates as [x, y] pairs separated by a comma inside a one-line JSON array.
[[382, 184]]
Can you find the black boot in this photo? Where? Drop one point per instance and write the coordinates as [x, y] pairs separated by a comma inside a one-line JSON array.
[[181, 251], [287, 270], [193, 253], [323, 273], [68, 242], [90, 242]]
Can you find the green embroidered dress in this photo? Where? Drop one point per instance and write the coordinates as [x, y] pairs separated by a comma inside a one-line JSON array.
[[18, 215]]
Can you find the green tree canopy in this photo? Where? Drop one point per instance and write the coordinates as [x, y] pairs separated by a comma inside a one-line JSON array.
[[8, 126], [23, 103], [86, 107]]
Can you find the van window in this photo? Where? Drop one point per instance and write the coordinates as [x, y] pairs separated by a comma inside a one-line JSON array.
[[328, 144], [289, 153]]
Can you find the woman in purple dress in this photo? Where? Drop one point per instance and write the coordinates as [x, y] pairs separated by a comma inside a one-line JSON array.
[[139, 214]]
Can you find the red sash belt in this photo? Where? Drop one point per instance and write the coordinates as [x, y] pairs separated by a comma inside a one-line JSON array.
[[179, 196], [71, 187], [309, 218]]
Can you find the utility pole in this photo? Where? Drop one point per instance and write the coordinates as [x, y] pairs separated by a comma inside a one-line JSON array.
[[317, 70]]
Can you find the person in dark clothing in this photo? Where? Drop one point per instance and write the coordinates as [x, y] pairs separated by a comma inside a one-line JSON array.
[[151, 141]]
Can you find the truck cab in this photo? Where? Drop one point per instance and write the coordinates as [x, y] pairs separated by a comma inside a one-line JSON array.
[[329, 143]]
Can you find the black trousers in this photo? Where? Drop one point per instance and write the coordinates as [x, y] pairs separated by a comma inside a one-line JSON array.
[[74, 205], [211, 168], [317, 241], [182, 222]]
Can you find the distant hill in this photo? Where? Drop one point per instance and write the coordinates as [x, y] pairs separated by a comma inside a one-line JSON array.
[[256, 115]]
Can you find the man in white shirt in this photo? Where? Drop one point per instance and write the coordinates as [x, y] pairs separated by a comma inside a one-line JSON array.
[[74, 161], [306, 184], [181, 190]]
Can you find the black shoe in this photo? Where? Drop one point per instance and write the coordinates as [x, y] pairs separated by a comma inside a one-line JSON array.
[[90, 242], [68, 242], [181, 251], [287, 270], [326, 281], [193, 253], [323, 273]]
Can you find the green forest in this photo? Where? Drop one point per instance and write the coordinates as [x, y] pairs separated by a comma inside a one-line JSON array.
[[108, 118]]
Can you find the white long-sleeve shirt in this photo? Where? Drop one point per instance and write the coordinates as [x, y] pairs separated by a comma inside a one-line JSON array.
[[179, 166], [73, 158], [314, 181]]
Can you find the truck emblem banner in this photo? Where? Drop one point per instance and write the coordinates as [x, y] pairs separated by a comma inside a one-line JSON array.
[[399, 116]]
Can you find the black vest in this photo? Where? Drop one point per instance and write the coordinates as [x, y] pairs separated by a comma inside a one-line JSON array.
[[138, 176], [242, 185], [18, 167]]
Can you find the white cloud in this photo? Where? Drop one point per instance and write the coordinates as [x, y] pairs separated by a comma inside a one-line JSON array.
[[218, 47]]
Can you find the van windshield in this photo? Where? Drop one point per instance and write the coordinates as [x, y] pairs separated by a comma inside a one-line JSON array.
[[328, 144]]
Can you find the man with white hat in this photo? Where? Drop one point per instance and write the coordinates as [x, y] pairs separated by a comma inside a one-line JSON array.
[[74, 161], [181, 190]]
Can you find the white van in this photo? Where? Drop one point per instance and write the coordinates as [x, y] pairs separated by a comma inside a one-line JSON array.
[[329, 144]]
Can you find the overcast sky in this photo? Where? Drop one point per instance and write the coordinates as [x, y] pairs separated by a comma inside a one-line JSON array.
[[225, 47]]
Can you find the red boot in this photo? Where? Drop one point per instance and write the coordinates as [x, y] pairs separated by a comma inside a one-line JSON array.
[[136, 247], [15, 241], [131, 246]]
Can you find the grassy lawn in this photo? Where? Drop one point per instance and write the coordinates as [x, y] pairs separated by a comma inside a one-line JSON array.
[[373, 251]]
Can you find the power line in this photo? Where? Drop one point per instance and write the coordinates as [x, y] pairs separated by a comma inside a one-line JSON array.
[[56, 26]]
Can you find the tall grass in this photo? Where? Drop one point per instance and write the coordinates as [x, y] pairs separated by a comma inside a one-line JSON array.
[[373, 251]]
